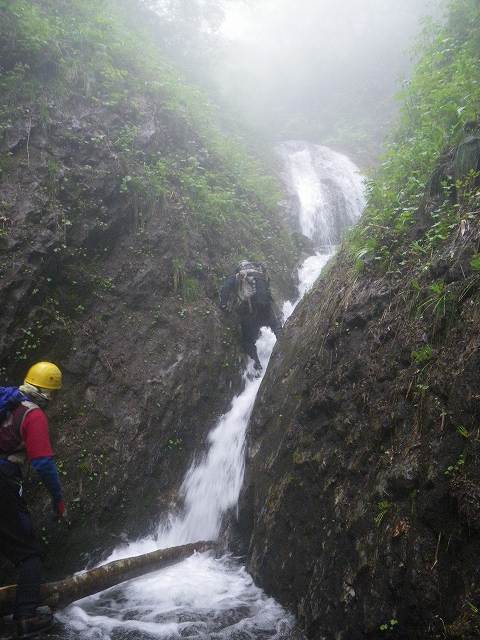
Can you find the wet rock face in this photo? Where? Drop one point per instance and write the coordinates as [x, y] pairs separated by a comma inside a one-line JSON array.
[[121, 292], [361, 499]]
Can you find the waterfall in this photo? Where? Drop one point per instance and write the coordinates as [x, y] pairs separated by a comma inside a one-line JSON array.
[[206, 597], [326, 191], [327, 196]]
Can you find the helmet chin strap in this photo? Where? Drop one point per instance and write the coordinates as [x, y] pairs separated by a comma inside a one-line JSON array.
[[40, 396]]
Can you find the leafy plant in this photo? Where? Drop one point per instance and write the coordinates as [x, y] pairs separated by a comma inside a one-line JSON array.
[[190, 289], [457, 467], [422, 355], [441, 97], [463, 432], [473, 608], [384, 507], [475, 262], [174, 443], [437, 300], [390, 625]]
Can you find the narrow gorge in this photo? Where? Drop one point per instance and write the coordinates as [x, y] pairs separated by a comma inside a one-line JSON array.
[[205, 595], [147, 148]]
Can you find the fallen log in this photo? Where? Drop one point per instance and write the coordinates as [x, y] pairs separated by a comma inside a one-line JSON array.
[[62, 593]]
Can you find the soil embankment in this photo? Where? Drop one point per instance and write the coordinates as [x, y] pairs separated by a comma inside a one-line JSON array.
[[361, 507]]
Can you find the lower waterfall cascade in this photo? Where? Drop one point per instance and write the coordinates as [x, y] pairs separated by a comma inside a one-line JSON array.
[[205, 596]]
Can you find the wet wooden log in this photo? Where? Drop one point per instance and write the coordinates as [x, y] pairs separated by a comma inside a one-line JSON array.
[[62, 593]]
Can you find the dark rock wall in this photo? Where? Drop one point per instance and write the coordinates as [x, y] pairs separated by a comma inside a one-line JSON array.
[[360, 510], [120, 290]]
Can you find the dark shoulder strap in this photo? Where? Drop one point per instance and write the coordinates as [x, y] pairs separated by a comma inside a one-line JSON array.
[[21, 413]]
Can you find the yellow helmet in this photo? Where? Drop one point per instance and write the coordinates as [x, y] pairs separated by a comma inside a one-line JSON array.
[[44, 375]]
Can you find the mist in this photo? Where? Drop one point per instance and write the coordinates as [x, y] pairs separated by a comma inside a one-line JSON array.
[[318, 70], [284, 69]]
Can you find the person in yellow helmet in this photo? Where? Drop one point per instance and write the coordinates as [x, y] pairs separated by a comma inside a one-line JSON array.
[[24, 437]]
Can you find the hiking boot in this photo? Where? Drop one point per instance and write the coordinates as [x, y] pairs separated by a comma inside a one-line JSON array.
[[7, 627], [31, 627]]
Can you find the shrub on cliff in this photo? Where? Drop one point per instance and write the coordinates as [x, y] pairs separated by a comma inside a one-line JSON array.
[[442, 96], [108, 54]]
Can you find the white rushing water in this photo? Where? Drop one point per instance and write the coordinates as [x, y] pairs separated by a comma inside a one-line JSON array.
[[327, 195], [207, 597], [327, 189]]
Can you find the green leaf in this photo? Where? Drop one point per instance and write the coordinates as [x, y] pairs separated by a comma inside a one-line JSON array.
[[475, 262]]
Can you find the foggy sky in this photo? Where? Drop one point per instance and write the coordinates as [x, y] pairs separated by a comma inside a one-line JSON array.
[[307, 59]]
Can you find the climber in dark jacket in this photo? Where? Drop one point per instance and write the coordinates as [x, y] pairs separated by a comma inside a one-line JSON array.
[[24, 437], [247, 292]]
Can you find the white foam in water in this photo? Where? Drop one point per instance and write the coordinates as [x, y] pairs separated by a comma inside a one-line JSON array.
[[203, 596], [307, 276], [199, 596], [330, 195], [327, 187], [213, 486]]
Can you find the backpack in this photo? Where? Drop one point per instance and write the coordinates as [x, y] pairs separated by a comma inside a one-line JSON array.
[[10, 397], [11, 423], [252, 284]]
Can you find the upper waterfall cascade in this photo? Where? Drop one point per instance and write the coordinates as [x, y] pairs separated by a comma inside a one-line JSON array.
[[206, 597], [326, 191]]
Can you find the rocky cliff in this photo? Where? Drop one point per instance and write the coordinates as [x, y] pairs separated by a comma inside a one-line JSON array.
[[120, 215], [361, 508], [361, 504]]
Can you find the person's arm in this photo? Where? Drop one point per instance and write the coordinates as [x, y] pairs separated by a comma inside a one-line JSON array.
[[227, 290], [39, 452]]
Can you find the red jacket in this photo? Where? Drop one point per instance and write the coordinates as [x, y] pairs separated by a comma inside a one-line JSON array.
[[26, 429]]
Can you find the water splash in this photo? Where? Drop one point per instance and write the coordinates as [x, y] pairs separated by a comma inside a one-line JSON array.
[[307, 275], [202, 597]]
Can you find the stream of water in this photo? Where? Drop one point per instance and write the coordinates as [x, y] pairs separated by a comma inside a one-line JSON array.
[[207, 597]]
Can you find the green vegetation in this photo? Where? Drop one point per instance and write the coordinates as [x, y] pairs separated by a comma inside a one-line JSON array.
[[383, 507], [437, 299], [441, 99], [463, 432], [422, 355], [389, 626], [105, 57], [106, 54], [457, 467], [470, 440], [475, 262], [175, 444], [128, 147], [187, 287]]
